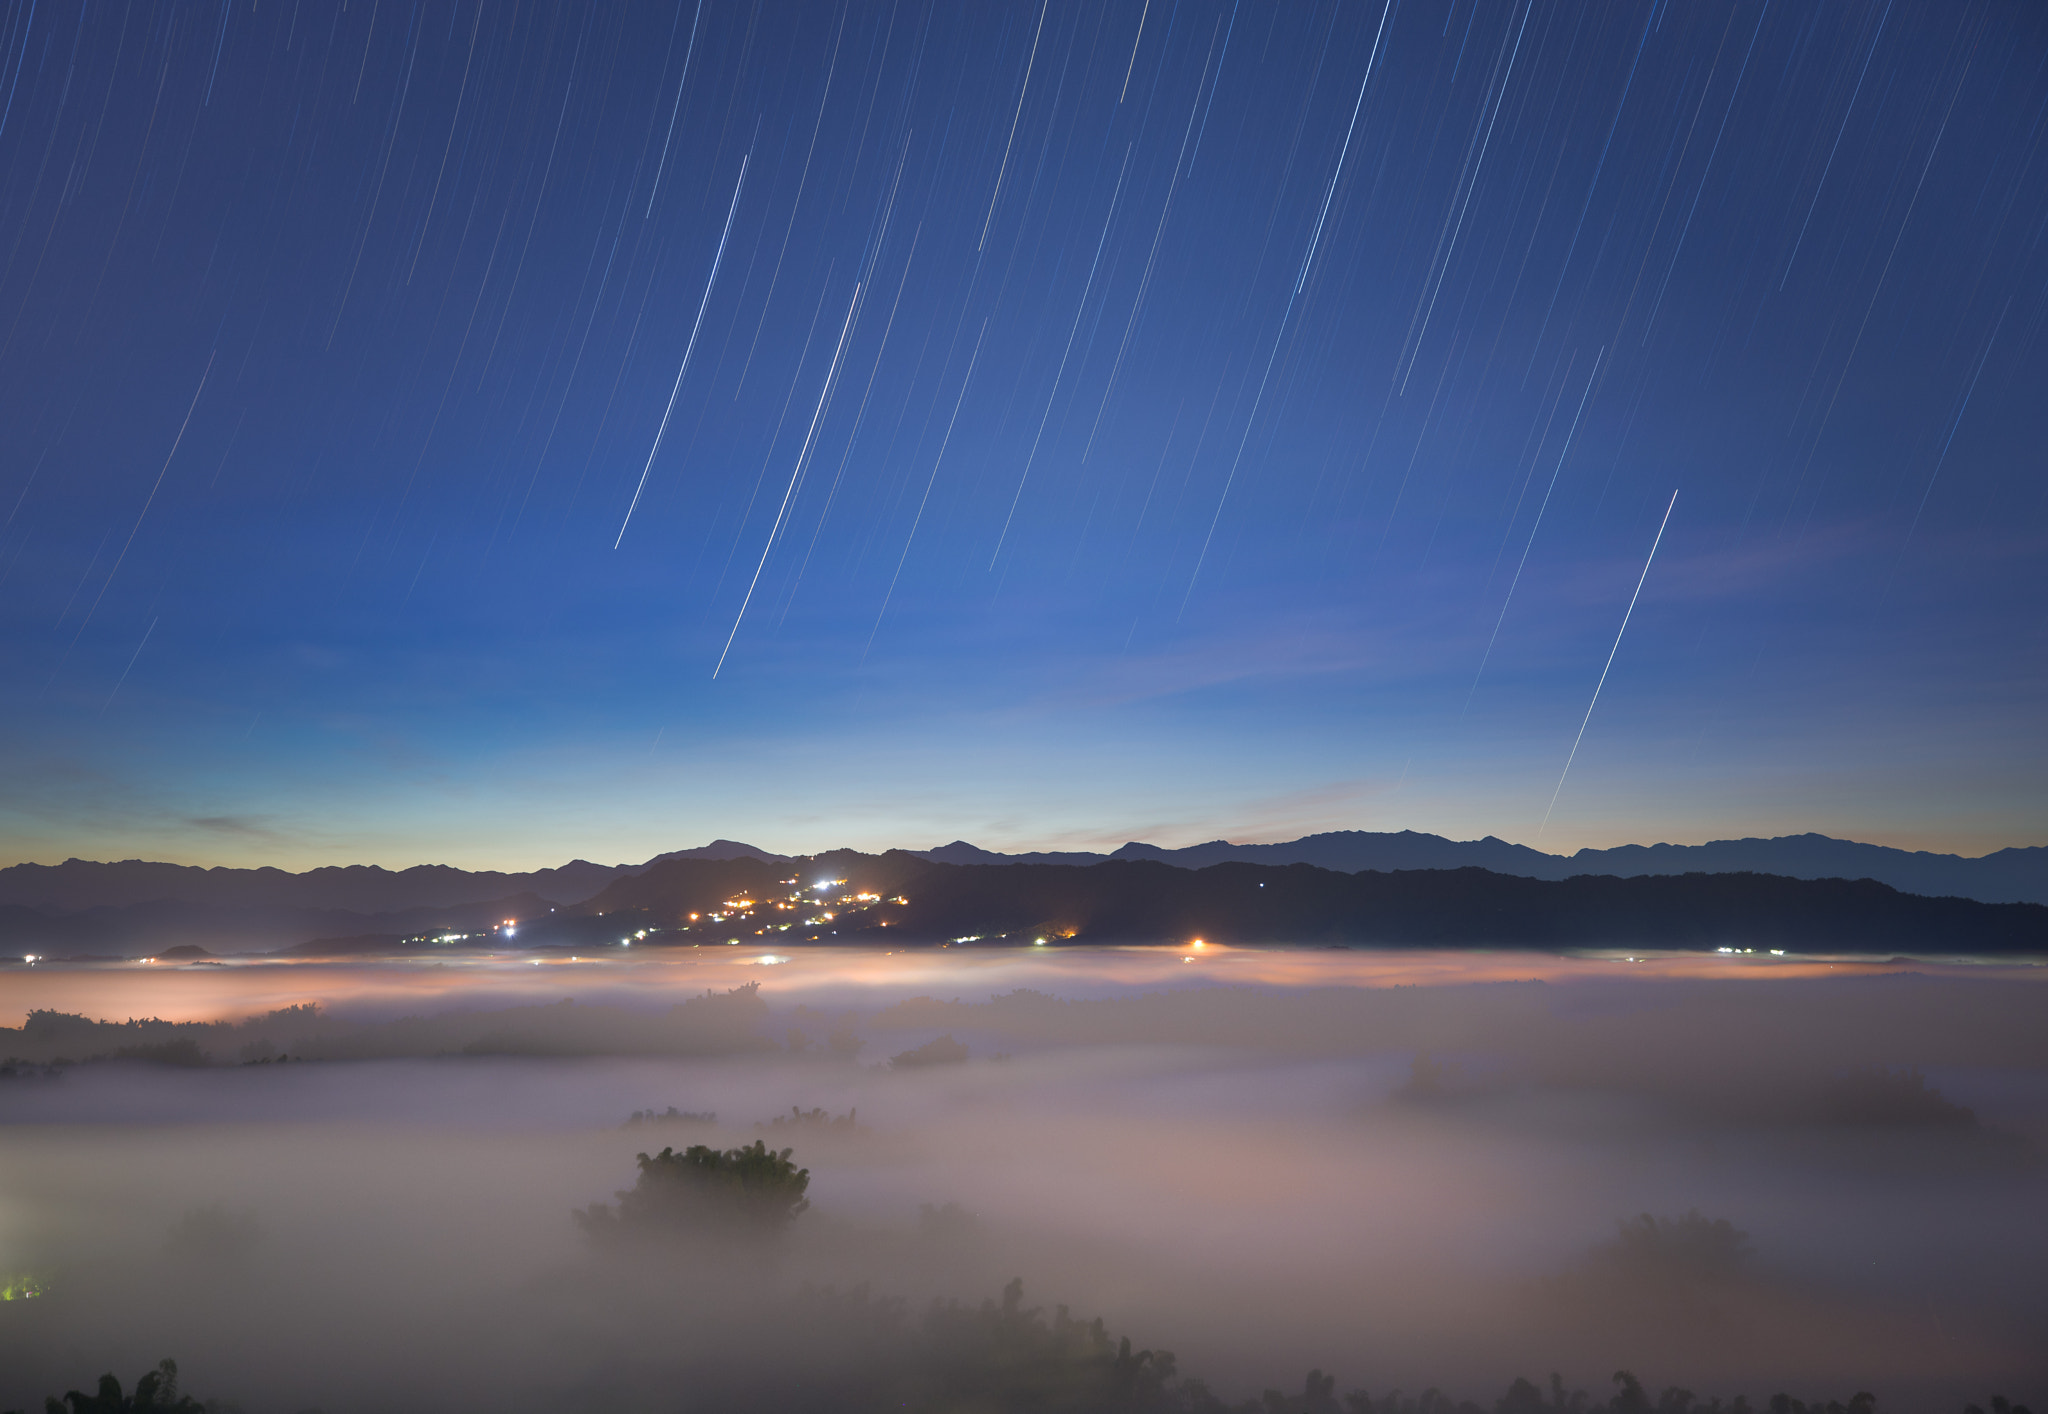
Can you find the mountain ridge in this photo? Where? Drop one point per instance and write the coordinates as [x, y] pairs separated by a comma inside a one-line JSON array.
[[901, 898], [900, 895], [2017, 874], [136, 929], [35, 897]]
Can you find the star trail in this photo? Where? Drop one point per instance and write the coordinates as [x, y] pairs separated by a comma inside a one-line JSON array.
[[492, 433]]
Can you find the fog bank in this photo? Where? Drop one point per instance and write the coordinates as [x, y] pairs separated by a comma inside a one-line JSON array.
[[1404, 1185]]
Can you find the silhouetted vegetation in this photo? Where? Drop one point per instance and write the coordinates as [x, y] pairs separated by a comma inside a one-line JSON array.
[[749, 1191], [183, 1052], [1862, 1402], [816, 1121], [1522, 1397], [1691, 1245], [671, 1115], [54, 1037], [1999, 1405], [712, 1023], [1003, 1357], [942, 1051], [14, 1069], [155, 1393]]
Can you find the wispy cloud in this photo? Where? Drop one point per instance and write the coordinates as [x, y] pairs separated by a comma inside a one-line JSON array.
[[241, 825]]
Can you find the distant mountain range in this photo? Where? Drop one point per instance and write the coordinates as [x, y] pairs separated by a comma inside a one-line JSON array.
[[80, 884], [137, 929], [2008, 876], [898, 895], [77, 885], [135, 906]]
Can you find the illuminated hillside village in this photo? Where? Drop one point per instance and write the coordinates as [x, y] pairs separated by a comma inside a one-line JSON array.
[[813, 908], [806, 913]]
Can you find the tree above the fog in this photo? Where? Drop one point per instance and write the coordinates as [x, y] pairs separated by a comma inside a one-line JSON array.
[[1005, 1355], [1688, 1246], [752, 1190]]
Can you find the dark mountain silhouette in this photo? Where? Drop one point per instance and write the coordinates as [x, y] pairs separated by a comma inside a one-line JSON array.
[[1352, 850], [2007, 876], [169, 928], [717, 849], [672, 890], [961, 852], [79, 884], [134, 907], [1146, 901]]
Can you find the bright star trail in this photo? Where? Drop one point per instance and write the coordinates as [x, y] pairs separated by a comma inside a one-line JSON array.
[[1044, 426]]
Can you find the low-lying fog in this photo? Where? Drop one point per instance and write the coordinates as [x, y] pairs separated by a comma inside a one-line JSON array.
[[1299, 1165]]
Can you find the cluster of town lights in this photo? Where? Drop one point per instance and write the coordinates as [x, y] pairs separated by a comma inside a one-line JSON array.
[[800, 903]]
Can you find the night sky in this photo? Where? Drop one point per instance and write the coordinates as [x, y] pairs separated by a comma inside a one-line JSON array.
[[496, 435]]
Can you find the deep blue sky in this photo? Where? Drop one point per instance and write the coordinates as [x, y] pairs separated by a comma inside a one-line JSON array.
[[1106, 421]]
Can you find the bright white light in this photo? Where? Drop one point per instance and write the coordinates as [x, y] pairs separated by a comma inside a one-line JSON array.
[[826, 884], [509, 930], [1038, 942]]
